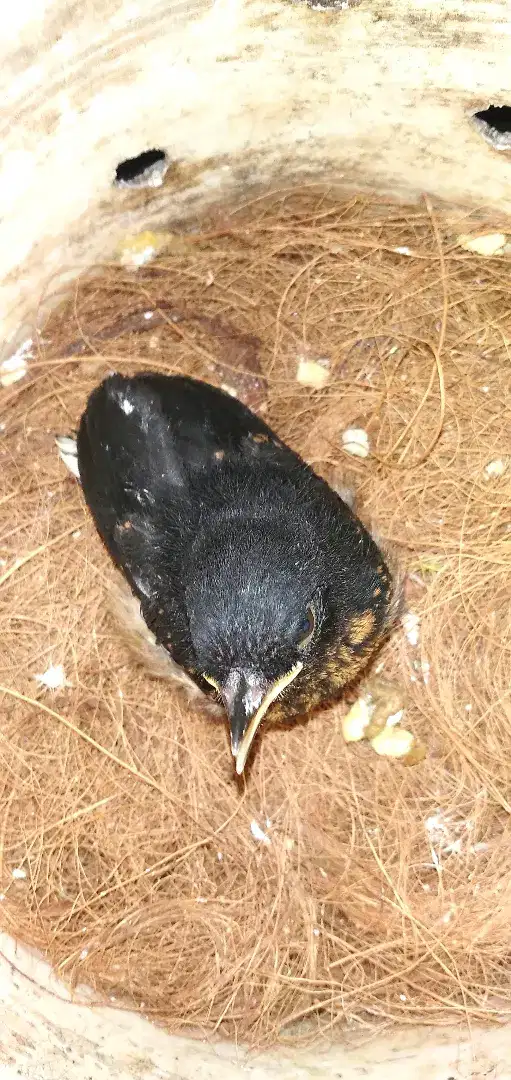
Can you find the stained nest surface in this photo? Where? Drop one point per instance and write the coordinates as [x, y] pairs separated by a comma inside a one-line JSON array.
[[330, 886]]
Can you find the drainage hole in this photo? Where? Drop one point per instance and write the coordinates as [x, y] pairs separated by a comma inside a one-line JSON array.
[[145, 170], [494, 124]]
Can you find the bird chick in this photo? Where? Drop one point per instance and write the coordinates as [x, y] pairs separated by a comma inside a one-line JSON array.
[[259, 582]]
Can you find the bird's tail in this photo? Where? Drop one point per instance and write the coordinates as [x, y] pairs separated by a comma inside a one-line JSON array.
[[66, 446], [142, 644]]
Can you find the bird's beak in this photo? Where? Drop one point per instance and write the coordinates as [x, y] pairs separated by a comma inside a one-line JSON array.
[[247, 698]]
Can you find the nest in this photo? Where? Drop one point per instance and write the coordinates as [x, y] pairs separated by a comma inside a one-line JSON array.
[[331, 887]]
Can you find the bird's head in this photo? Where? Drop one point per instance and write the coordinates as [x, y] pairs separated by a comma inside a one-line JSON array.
[[288, 613]]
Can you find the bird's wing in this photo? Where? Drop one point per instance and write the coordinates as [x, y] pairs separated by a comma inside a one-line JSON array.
[[142, 443], [201, 419], [129, 465]]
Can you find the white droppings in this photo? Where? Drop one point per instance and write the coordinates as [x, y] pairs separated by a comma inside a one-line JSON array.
[[435, 826], [148, 314], [138, 258], [313, 373], [488, 245], [127, 406], [402, 997], [200, 900], [393, 742], [450, 836], [15, 367], [356, 721], [411, 626], [84, 954], [402, 250], [77, 534], [425, 668], [485, 389], [53, 678], [219, 856], [19, 874], [258, 833], [495, 468], [356, 442], [315, 932], [456, 846]]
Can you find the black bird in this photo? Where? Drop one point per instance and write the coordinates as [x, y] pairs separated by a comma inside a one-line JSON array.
[[253, 574]]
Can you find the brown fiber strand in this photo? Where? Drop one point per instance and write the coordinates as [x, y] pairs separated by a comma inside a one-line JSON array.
[[385, 892]]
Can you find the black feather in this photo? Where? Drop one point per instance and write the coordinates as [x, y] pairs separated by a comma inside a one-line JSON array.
[[226, 535]]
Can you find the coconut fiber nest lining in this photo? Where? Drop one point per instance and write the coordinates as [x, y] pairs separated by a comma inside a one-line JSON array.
[[330, 884]]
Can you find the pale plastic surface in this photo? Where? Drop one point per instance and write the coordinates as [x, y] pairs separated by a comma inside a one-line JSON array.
[[45, 1036]]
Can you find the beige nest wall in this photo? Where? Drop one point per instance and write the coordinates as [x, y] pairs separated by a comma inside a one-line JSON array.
[[376, 93], [377, 96]]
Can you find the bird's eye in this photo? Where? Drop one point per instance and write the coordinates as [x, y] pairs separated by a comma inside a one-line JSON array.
[[306, 628]]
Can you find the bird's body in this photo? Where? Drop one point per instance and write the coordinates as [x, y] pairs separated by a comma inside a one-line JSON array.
[[250, 571]]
